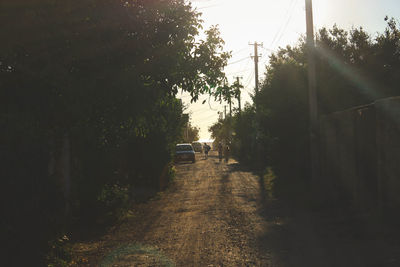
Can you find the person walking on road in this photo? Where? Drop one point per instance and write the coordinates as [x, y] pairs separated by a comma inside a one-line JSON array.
[[220, 151], [227, 151], [206, 150]]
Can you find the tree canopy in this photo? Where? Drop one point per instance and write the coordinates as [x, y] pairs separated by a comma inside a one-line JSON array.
[[87, 90], [352, 68]]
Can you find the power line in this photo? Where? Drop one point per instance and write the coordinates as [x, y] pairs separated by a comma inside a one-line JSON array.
[[248, 81], [236, 72], [237, 61], [267, 57], [287, 23], [243, 67], [200, 110], [216, 3], [239, 51], [289, 12], [207, 7], [205, 116], [203, 109], [200, 113], [214, 116], [280, 28], [245, 64]]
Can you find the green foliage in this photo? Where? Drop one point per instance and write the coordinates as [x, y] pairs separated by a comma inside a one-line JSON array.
[[101, 76], [190, 133], [114, 199], [283, 116], [221, 131], [250, 145], [244, 137], [269, 182], [59, 253], [355, 69], [352, 69]]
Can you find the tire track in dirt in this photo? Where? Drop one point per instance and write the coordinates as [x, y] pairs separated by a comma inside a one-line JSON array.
[[208, 218]]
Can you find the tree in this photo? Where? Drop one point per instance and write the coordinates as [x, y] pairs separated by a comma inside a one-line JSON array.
[[352, 69], [90, 86], [221, 131], [191, 133]]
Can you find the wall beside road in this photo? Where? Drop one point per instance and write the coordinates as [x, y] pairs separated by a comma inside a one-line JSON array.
[[360, 156]]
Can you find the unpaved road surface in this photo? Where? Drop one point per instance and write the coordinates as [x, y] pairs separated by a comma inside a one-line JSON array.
[[219, 214]]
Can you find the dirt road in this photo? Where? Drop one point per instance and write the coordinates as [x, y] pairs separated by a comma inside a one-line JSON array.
[[218, 214], [208, 218]]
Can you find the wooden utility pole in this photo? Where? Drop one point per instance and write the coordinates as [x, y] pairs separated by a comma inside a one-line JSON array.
[[239, 103], [256, 64], [312, 93], [229, 100], [238, 92]]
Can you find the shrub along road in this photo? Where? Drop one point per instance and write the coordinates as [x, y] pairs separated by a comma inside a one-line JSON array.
[[219, 214]]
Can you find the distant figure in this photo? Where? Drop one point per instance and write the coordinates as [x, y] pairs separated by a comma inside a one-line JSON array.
[[227, 151], [206, 149], [220, 151]]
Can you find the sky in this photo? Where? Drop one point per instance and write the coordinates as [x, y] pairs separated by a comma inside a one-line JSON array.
[[274, 23]]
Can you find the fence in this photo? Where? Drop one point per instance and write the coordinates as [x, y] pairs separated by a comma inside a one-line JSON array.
[[360, 156]]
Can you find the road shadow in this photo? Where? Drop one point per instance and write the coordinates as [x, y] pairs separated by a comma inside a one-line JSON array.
[[184, 162], [273, 242], [295, 234]]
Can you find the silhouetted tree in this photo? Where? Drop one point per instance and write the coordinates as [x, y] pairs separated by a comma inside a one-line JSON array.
[[352, 69], [87, 91]]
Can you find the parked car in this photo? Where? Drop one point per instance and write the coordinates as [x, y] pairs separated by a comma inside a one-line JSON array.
[[184, 152], [197, 146]]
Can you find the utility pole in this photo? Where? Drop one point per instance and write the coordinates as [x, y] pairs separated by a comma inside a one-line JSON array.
[[230, 107], [240, 106], [238, 92], [225, 111], [312, 93], [256, 64], [229, 100]]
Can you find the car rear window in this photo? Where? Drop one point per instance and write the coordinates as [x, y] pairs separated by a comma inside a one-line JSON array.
[[184, 148]]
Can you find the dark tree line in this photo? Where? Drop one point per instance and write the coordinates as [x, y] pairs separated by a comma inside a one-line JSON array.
[[353, 68], [88, 110]]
